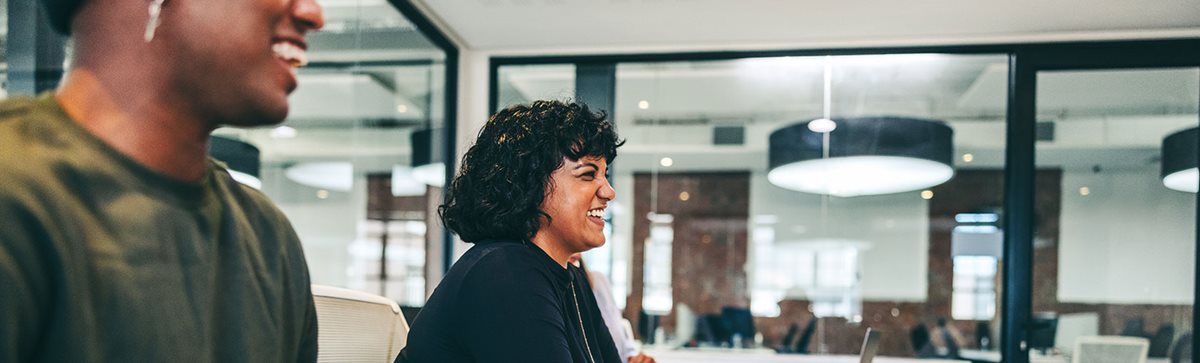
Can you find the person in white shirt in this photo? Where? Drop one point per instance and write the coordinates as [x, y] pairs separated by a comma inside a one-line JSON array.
[[612, 316]]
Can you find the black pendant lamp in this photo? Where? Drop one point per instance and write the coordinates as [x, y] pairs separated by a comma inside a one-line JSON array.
[[865, 156], [241, 157], [1179, 161]]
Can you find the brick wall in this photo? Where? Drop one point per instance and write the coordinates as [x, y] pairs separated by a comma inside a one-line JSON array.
[[709, 253]]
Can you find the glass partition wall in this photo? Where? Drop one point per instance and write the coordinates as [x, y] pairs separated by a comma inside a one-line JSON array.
[[737, 224], [1115, 249], [352, 167]]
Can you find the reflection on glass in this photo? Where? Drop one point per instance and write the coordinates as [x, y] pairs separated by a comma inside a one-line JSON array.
[[342, 166], [1116, 254]]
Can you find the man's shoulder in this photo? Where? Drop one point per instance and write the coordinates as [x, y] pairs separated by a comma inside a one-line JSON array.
[[17, 111], [17, 107], [30, 134], [250, 200]]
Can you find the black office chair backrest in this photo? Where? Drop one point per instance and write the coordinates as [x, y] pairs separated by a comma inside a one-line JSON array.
[[1160, 344], [1135, 328], [806, 337], [1181, 351], [786, 345]]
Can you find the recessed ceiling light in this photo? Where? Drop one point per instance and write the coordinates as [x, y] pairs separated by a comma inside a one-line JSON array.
[[322, 194], [684, 196], [402, 108], [968, 158], [1084, 191], [927, 194], [643, 104], [667, 161]]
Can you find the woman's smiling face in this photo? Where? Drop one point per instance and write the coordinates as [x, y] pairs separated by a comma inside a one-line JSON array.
[[576, 198]]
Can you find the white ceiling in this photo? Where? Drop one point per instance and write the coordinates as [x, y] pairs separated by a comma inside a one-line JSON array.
[[333, 108], [573, 24], [1112, 118]]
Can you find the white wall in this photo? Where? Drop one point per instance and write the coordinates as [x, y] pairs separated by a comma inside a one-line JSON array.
[[1129, 241], [895, 229]]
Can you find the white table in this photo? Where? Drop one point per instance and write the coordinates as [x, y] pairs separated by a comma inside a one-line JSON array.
[[766, 356], [1034, 357]]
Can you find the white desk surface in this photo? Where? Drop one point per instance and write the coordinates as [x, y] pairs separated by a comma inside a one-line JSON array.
[[1034, 357], [765, 356]]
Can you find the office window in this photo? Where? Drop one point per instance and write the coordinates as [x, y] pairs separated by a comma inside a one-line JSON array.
[[658, 297], [825, 275], [974, 288]]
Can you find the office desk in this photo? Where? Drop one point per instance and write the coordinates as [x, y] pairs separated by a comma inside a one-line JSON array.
[[765, 356], [978, 356]]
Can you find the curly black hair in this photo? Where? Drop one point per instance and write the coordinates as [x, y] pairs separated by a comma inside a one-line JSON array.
[[499, 190]]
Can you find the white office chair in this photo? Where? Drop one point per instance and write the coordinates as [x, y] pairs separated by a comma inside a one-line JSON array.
[[1110, 349], [355, 326]]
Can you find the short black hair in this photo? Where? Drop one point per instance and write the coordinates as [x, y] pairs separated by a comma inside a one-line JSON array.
[[60, 12], [499, 189]]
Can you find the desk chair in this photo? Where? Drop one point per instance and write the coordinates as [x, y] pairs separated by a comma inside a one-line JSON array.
[[1110, 349], [355, 326]]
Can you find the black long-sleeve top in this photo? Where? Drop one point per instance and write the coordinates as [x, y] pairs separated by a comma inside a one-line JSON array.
[[508, 301]]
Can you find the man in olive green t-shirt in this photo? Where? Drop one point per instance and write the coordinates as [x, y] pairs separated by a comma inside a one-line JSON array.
[[121, 240]]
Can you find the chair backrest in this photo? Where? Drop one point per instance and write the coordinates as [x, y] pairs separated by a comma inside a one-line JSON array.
[[1110, 349], [685, 325], [355, 326], [1160, 344], [1181, 351]]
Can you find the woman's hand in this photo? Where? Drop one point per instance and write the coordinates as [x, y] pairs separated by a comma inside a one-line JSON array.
[[641, 358]]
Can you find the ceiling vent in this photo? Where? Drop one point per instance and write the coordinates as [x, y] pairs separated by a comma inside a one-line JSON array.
[[1045, 131], [729, 135]]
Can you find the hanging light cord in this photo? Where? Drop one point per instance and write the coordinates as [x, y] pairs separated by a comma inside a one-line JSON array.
[[828, 103], [825, 136]]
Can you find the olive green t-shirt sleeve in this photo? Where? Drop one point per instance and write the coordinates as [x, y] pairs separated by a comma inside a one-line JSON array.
[[23, 287], [308, 339]]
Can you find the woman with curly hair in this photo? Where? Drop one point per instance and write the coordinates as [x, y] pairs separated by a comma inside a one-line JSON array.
[[531, 192]]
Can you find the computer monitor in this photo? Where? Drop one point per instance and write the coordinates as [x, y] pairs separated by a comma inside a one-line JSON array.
[[1072, 326], [870, 345], [1042, 331]]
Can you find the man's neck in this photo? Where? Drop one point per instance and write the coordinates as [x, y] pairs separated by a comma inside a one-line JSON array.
[[137, 121]]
